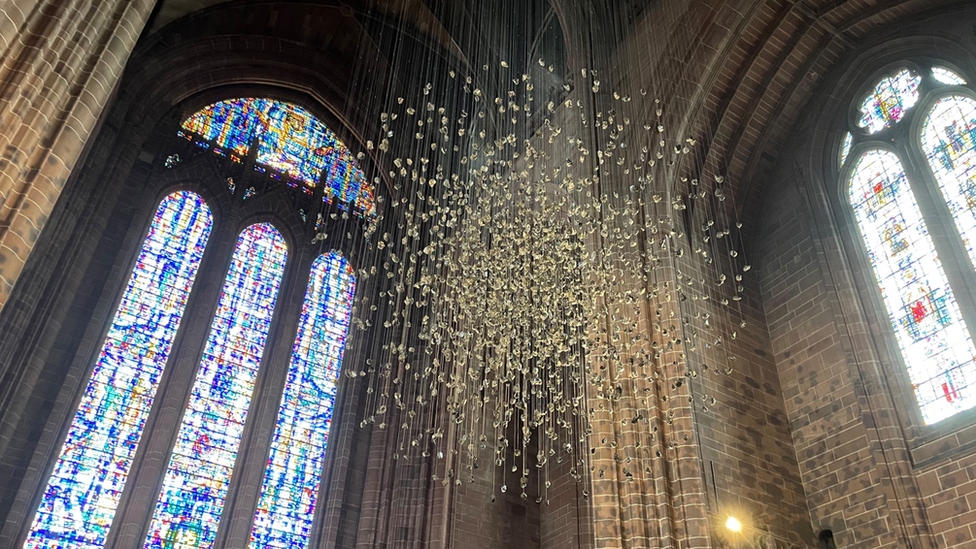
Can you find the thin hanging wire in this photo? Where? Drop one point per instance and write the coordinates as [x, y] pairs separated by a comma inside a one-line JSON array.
[[555, 273]]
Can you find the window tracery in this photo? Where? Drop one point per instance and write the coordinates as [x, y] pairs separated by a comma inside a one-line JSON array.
[[927, 319], [285, 143], [947, 76], [291, 142], [890, 99]]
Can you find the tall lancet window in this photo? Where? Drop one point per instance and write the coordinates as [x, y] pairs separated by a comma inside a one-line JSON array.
[[925, 296], [83, 493], [929, 327], [291, 482], [269, 158], [192, 499], [949, 142]]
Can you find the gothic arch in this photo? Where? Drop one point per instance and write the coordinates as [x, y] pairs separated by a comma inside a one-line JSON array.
[[879, 403], [117, 178]]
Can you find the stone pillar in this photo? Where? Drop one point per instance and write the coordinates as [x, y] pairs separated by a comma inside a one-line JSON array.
[[60, 62], [646, 471]]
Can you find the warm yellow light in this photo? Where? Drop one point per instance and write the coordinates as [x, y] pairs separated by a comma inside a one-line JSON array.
[[733, 524]]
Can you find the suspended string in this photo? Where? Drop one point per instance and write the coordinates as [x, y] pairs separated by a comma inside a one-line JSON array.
[[552, 254]]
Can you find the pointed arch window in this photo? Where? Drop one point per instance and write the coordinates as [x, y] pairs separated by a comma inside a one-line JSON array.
[[291, 481], [188, 509], [283, 143], [926, 303], [949, 143], [82, 495], [929, 327]]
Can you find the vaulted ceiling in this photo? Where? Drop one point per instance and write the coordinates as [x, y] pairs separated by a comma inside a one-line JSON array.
[[770, 57], [750, 66]]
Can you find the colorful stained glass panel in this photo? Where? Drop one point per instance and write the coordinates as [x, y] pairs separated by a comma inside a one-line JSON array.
[[83, 493], [947, 77], [291, 481], [231, 124], [199, 471], [949, 142], [891, 98], [935, 343], [290, 141]]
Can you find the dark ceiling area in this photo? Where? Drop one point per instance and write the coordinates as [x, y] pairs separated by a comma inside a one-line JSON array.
[[764, 59]]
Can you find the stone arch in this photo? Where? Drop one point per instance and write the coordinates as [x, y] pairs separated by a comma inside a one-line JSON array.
[[116, 177]]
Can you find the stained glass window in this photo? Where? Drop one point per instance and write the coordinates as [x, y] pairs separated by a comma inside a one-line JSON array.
[[845, 147], [199, 471], [891, 98], [290, 141], [287, 502], [949, 141], [948, 77], [934, 341], [82, 494]]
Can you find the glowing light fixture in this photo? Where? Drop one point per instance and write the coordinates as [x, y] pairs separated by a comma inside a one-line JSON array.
[[733, 524]]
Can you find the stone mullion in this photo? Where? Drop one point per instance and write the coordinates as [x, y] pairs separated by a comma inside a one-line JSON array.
[[37, 159], [145, 479], [247, 478]]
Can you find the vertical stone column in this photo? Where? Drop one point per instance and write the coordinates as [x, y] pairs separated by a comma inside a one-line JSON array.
[[60, 62], [646, 471], [646, 477]]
